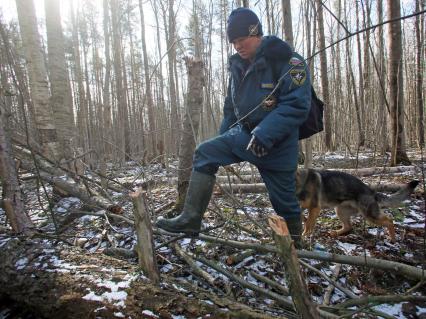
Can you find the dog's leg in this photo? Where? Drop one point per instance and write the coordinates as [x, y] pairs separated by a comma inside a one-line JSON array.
[[313, 214], [385, 221], [344, 213]]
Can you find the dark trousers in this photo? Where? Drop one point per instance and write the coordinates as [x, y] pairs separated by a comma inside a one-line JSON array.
[[276, 172]]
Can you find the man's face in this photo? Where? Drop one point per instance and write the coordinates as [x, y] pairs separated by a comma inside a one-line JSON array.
[[246, 46]]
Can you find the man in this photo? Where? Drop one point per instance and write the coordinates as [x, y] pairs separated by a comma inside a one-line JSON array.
[[266, 136]]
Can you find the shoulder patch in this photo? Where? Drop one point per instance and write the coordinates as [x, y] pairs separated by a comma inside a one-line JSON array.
[[295, 62], [298, 76]]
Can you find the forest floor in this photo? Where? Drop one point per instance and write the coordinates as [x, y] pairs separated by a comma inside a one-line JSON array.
[[114, 287]]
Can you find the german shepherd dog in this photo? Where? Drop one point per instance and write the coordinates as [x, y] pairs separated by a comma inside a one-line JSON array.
[[318, 189]]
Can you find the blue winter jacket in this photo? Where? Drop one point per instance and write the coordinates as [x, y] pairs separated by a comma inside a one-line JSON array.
[[249, 85]]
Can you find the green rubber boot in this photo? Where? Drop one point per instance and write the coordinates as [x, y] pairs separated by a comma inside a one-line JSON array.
[[295, 228], [197, 199]]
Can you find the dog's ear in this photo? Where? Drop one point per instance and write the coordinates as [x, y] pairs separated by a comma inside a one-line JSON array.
[[301, 176]]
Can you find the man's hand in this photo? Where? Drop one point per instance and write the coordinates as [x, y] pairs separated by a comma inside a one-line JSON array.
[[256, 147]]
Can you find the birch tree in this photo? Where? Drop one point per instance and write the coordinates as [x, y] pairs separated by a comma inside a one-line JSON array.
[[61, 99], [37, 74]]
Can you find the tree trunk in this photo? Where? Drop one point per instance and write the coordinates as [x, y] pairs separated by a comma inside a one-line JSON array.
[[80, 96], [287, 22], [190, 127], [170, 31], [61, 99], [383, 111], [123, 121], [145, 241], [160, 95], [420, 38], [360, 103], [37, 74], [148, 92], [298, 289], [396, 93], [12, 197], [106, 127], [324, 77]]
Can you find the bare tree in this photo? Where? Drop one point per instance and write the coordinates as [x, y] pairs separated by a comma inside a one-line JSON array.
[[171, 40], [383, 114], [119, 78], [360, 101], [420, 38], [37, 74], [12, 198], [194, 101], [61, 99], [324, 76], [287, 22], [148, 91], [396, 80]]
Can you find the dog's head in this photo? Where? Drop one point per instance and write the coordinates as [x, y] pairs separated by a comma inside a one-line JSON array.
[[306, 179], [301, 177]]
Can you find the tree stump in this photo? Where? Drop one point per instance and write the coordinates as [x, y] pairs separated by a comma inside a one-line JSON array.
[[145, 245], [298, 290]]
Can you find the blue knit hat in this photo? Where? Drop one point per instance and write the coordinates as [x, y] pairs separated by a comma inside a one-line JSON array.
[[243, 22]]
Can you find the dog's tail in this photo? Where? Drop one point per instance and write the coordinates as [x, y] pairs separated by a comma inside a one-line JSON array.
[[398, 197]]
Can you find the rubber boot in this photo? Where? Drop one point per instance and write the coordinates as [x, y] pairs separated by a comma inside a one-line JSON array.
[[295, 228], [197, 199]]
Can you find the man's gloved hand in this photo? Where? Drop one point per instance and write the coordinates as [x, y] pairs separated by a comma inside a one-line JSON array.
[[256, 147]]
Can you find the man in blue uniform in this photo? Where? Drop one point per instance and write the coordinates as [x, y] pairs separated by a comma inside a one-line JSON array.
[[267, 129]]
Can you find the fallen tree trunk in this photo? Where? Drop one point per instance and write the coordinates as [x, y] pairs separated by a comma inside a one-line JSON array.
[[257, 188], [65, 282], [72, 189], [402, 269], [360, 172]]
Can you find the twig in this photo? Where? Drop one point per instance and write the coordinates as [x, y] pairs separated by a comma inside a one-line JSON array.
[[271, 283], [198, 271], [281, 300], [330, 288], [347, 292]]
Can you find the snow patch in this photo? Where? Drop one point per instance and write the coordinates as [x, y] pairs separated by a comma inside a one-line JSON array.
[[115, 295], [4, 241], [393, 310], [149, 313], [21, 263]]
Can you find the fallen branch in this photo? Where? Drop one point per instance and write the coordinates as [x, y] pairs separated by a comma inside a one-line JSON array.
[[333, 283], [271, 283], [198, 271], [376, 300], [330, 288], [402, 269], [286, 303]]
